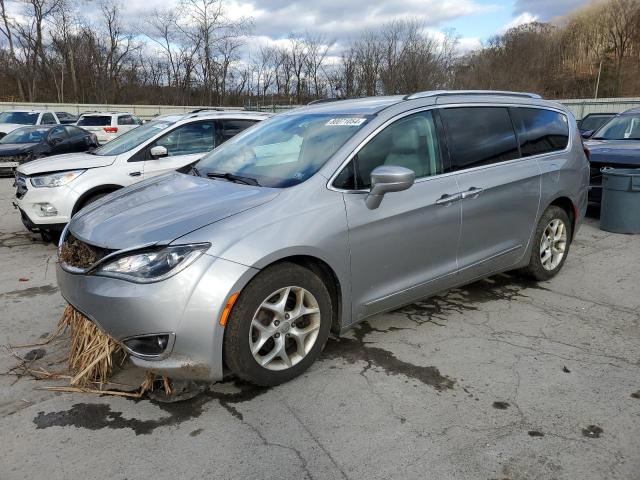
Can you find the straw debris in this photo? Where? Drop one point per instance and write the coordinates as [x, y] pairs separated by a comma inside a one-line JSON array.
[[92, 351], [90, 362], [77, 253]]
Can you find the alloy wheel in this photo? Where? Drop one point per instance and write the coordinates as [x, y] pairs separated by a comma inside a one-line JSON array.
[[284, 328], [553, 244]]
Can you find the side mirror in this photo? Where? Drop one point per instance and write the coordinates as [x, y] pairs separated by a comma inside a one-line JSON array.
[[587, 133], [55, 140], [159, 152], [387, 179]]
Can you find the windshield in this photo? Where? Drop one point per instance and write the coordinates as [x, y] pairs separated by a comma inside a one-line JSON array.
[[283, 151], [20, 118], [132, 138], [94, 121], [25, 135], [624, 127]]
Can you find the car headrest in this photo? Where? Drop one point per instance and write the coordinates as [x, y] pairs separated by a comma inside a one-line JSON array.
[[406, 139]]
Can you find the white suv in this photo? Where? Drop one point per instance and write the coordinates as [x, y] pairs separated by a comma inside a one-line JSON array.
[[51, 190], [108, 125], [12, 119]]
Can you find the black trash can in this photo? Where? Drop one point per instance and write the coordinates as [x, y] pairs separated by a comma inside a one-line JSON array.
[[620, 210]]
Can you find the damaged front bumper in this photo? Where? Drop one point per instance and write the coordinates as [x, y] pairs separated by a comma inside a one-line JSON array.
[[185, 307]]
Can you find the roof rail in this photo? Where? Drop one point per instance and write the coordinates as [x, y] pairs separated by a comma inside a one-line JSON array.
[[324, 100], [442, 93], [207, 109], [336, 99]]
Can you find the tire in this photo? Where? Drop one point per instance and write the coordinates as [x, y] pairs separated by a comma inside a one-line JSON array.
[[91, 199], [257, 321], [50, 236], [540, 266]]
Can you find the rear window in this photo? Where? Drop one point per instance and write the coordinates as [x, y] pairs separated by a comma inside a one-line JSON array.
[[540, 131], [479, 136], [94, 121]]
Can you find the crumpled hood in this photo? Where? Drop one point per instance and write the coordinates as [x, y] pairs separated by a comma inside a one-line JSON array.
[[69, 161], [624, 152], [161, 209], [10, 149]]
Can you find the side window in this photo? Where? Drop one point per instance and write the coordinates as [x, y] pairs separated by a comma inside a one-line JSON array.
[[188, 139], [74, 131], [479, 136], [410, 142], [125, 120], [48, 119], [540, 131], [230, 128], [58, 134]]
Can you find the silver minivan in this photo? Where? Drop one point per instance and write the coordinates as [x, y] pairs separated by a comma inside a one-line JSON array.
[[318, 218]]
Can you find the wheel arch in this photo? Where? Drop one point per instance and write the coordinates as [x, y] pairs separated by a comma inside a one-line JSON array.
[[108, 188], [569, 207], [329, 277]]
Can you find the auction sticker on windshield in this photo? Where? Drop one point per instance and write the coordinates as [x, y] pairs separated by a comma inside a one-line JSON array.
[[346, 122]]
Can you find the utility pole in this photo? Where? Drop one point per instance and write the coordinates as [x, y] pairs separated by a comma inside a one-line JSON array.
[[598, 81]]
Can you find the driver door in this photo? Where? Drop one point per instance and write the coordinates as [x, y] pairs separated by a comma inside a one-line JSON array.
[[406, 248], [185, 144]]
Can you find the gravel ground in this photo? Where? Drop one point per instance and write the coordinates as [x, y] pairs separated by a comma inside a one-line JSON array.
[[502, 379]]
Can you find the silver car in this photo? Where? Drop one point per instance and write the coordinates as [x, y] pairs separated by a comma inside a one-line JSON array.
[[316, 219]]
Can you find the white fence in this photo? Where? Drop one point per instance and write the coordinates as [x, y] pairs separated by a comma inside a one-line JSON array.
[[142, 111], [579, 107], [582, 107]]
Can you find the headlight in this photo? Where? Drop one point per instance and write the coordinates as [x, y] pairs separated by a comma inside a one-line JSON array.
[[56, 179], [153, 265]]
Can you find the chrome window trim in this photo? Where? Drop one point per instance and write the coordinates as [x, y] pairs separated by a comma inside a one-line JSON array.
[[399, 116]]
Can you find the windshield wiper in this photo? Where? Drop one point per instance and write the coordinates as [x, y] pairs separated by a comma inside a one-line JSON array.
[[234, 178], [195, 170]]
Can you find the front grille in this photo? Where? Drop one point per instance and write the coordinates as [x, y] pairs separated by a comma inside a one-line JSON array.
[[78, 254], [21, 185]]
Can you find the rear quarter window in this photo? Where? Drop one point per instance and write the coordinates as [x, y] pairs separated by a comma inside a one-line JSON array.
[[479, 136], [540, 131]]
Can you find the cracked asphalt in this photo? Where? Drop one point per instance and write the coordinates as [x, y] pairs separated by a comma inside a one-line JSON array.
[[503, 379]]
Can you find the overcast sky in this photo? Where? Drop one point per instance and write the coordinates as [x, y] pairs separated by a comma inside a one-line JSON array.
[[338, 21]]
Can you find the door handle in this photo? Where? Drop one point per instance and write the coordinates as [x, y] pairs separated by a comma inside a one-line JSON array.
[[473, 192], [446, 199], [135, 174]]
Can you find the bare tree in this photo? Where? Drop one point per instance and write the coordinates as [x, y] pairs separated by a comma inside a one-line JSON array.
[[623, 19], [7, 30]]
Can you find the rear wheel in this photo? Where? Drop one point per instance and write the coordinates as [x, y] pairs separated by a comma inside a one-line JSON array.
[[550, 244], [278, 326]]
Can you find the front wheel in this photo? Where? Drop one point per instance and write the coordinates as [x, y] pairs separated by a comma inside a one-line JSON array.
[[550, 244], [278, 326]]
